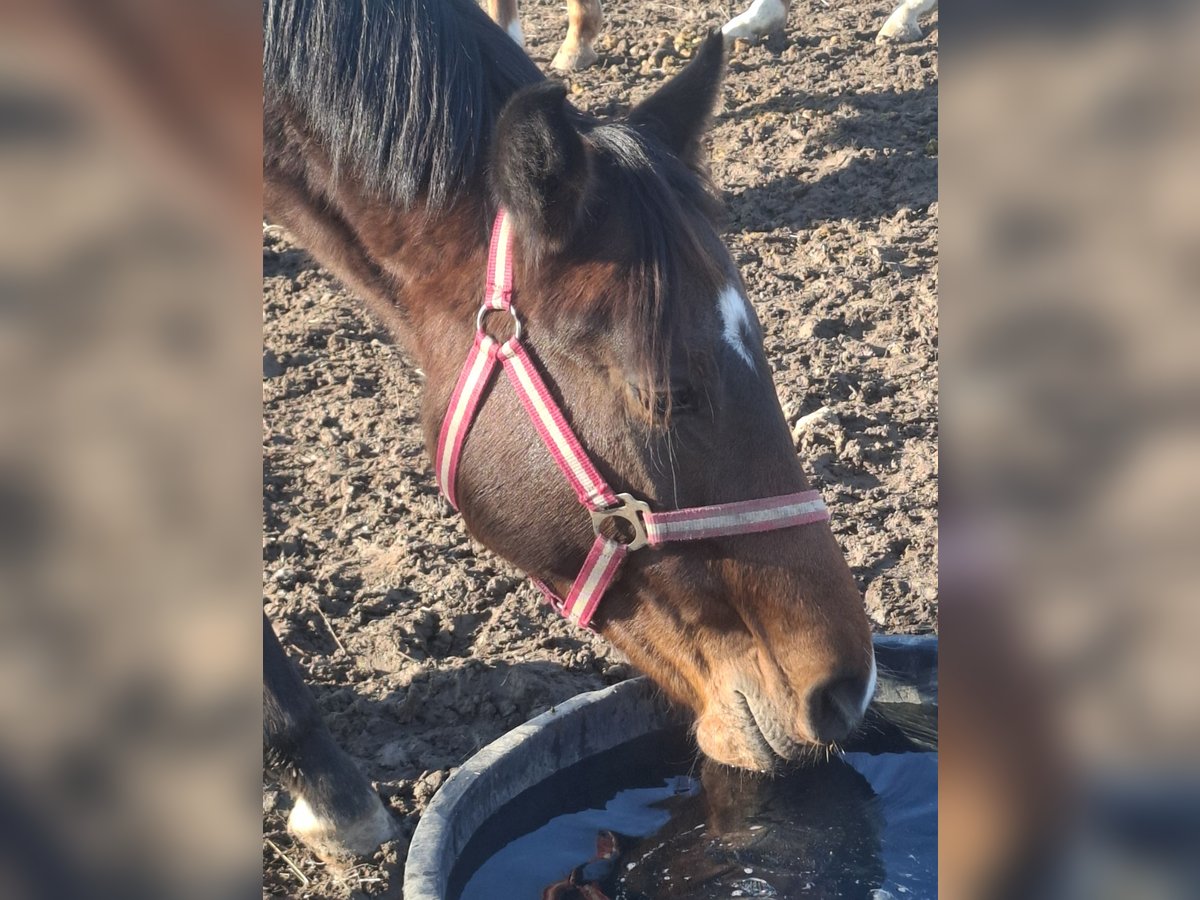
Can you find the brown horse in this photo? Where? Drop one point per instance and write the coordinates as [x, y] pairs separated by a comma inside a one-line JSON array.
[[393, 131], [585, 19]]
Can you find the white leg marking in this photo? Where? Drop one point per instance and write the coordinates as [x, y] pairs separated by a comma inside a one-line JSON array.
[[735, 318], [903, 25], [867, 697], [353, 838], [515, 32], [303, 820], [763, 17]]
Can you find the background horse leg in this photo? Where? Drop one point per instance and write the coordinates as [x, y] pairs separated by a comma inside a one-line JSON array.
[[584, 21], [336, 812], [903, 25], [504, 13], [762, 18]]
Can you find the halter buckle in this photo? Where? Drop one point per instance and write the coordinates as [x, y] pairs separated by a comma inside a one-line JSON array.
[[630, 510], [485, 309]]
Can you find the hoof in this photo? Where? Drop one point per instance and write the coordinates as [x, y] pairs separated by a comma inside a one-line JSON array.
[[337, 841], [898, 31], [764, 17], [572, 59]]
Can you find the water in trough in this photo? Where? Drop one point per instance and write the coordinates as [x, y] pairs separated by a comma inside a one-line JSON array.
[[650, 820]]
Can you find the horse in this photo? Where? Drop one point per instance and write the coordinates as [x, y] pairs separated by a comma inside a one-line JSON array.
[[585, 19], [419, 154]]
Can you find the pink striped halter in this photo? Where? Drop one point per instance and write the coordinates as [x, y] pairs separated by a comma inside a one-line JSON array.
[[648, 528]]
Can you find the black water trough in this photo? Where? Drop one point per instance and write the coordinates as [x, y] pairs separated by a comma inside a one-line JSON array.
[[619, 759]]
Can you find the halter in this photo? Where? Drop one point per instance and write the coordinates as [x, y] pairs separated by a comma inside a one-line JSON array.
[[648, 528]]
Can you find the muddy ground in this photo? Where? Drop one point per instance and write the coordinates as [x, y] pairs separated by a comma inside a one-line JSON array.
[[421, 646]]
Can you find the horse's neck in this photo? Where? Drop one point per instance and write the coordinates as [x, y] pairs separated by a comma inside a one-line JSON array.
[[426, 269], [421, 273]]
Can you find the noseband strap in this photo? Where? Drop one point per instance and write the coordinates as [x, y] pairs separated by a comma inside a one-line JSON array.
[[639, 526]]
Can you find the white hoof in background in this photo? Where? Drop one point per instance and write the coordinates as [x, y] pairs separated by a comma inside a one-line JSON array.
[[900, 31], [904, 24], [333, 841], [573, 58], [762, 18]]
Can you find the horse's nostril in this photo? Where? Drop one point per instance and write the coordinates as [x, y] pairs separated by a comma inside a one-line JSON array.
[[835, 708]]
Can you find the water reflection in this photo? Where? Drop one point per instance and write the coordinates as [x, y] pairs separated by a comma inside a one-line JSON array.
[[651, 821], [815, 833]]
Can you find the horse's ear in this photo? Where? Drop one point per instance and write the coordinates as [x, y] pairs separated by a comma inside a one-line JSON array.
[[679, 111], [540, 167]]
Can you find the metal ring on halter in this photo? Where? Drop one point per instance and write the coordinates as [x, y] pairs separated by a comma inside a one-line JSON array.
[[631, 510], [485, 309]]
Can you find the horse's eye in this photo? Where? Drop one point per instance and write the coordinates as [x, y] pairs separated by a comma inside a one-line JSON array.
[[679, 399], [683, 399]]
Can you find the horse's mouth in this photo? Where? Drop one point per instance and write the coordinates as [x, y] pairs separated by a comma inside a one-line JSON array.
[[769, 752]]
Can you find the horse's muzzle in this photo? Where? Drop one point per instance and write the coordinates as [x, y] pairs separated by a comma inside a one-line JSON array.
[[752, 727]]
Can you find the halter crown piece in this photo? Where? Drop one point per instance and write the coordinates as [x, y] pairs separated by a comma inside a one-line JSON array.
[[648, 528]]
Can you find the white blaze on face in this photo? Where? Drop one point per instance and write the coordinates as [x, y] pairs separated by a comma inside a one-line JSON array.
[[735, 321], [515, 32], [763, 17]]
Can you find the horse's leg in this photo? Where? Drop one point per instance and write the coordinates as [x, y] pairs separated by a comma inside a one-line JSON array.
[[504, 13], [584, 21], [759, 20], [336, 813], [903, 25]]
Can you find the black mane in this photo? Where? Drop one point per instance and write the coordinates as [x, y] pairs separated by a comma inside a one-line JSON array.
[[403, 93], [404, 96]]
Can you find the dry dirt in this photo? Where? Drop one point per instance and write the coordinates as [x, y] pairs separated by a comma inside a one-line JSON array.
[[420, 646]]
